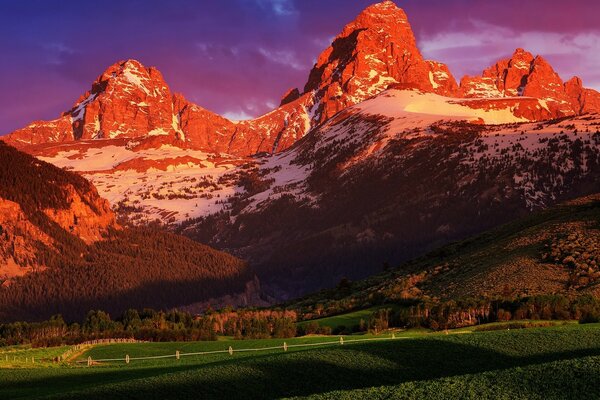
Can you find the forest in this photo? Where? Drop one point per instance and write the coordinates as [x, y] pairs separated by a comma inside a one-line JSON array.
[[132, 268]]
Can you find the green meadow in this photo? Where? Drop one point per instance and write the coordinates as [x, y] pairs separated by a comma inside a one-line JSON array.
[[547, 362]]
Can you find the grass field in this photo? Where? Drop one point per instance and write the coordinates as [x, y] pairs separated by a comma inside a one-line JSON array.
[[24, 356], [347, 320], [547, 363]]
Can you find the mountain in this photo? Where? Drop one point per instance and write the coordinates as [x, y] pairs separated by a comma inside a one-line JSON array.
[[375, 50], [387, 179], [131, 101], [379, 158], [528, 76], [63, 252], [555, 251]]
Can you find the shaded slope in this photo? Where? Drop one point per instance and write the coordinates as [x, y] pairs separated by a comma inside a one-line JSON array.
[[523, 258], [62, 251]]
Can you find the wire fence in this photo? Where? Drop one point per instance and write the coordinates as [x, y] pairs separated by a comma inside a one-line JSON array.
[[177, 355]]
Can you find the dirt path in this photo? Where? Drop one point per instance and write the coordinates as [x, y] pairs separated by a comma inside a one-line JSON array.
[[73, 356]]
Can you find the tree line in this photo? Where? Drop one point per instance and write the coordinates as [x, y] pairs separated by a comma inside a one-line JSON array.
[[468, 312], [152, 325]]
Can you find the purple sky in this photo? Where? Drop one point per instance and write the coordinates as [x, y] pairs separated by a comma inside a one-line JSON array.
[[237, 57]]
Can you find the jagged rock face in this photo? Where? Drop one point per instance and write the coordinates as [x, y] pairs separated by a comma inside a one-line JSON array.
[[128, 100], [18, 237], [529, 76], [375, 50], [544, 83], [39, 132], [272, 132], [275, 131], [583, 100], [204, 129], [88, 216]]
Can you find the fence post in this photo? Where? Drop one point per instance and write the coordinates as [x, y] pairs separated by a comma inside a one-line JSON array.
[[177, 354], [393, 336], [89, 363], [230, 350], [284, 346], [341, 340], [127, 359], [32, 360]]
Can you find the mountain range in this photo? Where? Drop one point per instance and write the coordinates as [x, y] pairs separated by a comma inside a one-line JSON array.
[[381, 157]]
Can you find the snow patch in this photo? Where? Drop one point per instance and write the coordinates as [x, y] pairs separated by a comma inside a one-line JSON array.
[[434, 84]]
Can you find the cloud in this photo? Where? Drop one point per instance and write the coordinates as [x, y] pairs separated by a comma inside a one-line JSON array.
[[212, 51], [279, 7], [283, 57], [237, 115], [56, 53]]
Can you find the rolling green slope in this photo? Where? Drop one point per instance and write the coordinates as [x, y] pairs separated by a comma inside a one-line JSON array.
[[528, 363]]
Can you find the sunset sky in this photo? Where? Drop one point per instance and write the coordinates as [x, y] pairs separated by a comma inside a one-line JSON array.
[[237, 57]]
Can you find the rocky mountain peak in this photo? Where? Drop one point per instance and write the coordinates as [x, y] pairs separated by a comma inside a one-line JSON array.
[[375, 51], [524, 74], [372, 52]]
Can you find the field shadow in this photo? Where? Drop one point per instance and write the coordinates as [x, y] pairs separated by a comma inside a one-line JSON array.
[[298, 373]]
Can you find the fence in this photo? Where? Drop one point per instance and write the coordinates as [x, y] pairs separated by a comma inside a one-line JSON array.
[[177, 355], [108, 341], [21, 359]]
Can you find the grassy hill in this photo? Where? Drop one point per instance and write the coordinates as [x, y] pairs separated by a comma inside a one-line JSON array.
[[556, 251], [531, 363]]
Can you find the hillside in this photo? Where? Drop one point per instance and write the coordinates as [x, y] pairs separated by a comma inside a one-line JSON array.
[[555, 251], [63, 252], [387, 180]]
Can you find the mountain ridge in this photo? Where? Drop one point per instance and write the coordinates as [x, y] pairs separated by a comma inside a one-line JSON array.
[[376, 50]]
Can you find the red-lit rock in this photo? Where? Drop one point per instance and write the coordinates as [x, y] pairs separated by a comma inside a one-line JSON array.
[[528, 76], [375, 50], [583, 100]]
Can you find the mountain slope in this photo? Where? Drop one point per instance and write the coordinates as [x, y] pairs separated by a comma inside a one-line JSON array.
[[40, 206], [381, 181], [555, 251], [62, 251], [380, 184]]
